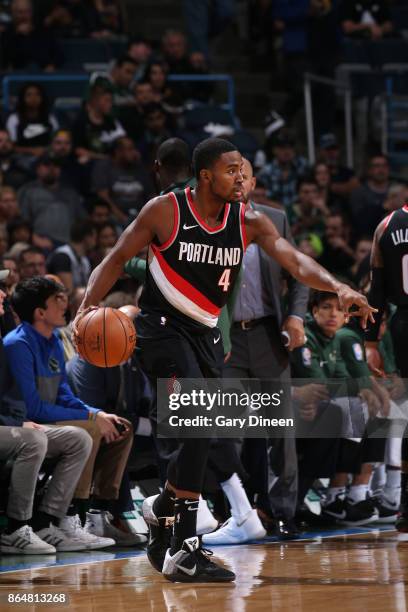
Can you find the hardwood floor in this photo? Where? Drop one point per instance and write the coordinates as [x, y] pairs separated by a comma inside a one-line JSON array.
[[338, 574]]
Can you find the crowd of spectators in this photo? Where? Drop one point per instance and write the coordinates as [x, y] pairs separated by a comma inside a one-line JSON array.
[[70, 184]]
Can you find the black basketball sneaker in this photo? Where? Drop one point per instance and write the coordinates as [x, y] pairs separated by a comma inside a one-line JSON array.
[[193, 564], [160, 532], [401, 523]]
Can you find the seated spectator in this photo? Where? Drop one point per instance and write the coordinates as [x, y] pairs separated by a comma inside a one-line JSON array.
[[121, 78], [28, 444], [23, 45], [309, 212], [19, 232], [321, 359], [31, 262], [31, 126], [156, 75], [95, 128], [140, 50], [106, 238], [338, 255], [367, 202], [35, 356], [396, 198], [132, 118], [174, 50], [362, 251], [8, 205], [11, 169], [69, 261], [99, 212], [73, 173], [343, 180], [281, 175], [155, 132], [369, 19], [50, 207], [321, 173], [10, 264], [122, 180]]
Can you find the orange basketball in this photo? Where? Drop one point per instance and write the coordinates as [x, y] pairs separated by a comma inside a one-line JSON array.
[[106, 337]]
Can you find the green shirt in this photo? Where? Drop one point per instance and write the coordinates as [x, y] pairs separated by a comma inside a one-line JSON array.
[[386, 349], [353, 355], [321, 359]]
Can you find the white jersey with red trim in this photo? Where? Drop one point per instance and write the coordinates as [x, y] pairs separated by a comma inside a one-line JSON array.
[[191, 275]]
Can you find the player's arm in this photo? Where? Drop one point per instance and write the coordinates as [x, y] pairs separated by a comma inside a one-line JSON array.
[[261, 230], [154, 216], [376, 295]]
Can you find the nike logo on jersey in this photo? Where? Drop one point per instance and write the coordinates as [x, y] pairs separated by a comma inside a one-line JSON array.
[[187, 227], [216, 340]]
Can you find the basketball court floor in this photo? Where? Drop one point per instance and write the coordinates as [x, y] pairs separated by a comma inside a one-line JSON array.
[[352, 569]]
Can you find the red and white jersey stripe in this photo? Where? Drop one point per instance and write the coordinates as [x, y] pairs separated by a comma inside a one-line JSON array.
[[191, 275]]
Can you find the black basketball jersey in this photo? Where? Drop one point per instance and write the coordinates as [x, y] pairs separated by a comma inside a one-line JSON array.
[[191, 275], [393, 246]]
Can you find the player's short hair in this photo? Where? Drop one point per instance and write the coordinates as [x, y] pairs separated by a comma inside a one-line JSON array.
[[174, 154], [208, 151], [31, 294]]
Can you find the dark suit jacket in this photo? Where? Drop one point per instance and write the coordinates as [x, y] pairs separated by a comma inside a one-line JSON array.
[[272, 278]]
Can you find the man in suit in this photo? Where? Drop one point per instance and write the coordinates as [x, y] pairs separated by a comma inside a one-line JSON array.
[[252, 324]]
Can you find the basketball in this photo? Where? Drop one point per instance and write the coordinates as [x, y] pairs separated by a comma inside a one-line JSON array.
[[106, 337]]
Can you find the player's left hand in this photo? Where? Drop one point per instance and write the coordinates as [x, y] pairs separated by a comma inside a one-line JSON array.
[[296, 330], [348, 298]]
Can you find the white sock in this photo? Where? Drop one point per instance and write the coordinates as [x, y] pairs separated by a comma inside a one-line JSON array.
[[392, 489], [393, 479], [357, 493], [332, 493], [237, 497], [378, 478]]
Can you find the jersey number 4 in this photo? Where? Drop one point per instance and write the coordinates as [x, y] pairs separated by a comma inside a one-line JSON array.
[[224, 281]]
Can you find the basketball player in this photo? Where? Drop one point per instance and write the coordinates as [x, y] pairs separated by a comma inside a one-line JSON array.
[[196, 242], [389, 283]]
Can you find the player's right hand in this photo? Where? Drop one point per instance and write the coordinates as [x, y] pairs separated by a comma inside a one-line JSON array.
[[348, 298], [75, 323]]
